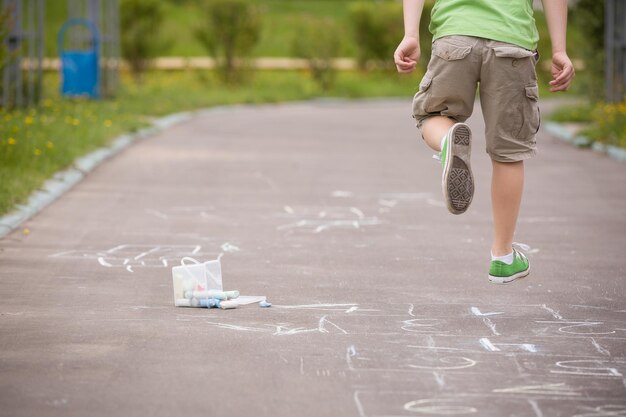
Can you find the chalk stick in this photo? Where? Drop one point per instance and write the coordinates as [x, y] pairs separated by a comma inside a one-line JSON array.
[[224, 305], [209, 302], [265, 304], [220, 295], [232, 294]]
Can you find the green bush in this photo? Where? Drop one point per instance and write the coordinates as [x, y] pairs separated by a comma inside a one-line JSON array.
[[140, 21], [231, 30], [588, 17], [426, 38], [378, 28], [318, 43], [609, 124], [577, 113]]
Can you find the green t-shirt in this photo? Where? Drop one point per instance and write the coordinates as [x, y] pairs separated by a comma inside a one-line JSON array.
[[508, 21]]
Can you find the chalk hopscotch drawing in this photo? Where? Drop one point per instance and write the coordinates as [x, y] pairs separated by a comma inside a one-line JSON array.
[[438, 406], [131, 256], [444, 363], [324, 325], [187, 212], [321, 219], [458, 359], [588, 367], [603, 411], [582, 327], [545, 389], [420, 406], [318, 219], [497, 347]]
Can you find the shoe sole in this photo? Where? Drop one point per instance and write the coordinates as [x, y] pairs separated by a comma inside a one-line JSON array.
[[457, 180], [507, 280]]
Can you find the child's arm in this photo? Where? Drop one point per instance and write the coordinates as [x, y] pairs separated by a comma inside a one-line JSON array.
[[562, 68], [408, 52]]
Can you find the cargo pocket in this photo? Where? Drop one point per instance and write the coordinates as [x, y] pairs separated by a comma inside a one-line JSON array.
[[531, 115], [512, 52], [420, 101], [519, 56], [425, 83], [450, 50]]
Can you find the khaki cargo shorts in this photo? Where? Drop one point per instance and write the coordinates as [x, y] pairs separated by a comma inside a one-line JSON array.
[[508, 91]]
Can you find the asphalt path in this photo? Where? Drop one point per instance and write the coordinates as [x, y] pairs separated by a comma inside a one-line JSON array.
[[381, 302]]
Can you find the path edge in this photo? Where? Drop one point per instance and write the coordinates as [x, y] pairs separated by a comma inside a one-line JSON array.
[[62, 181], [558, 131]]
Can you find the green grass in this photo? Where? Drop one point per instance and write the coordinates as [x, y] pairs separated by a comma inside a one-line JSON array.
[[576, 113], [604, 122], [36, 143], [609, 124]]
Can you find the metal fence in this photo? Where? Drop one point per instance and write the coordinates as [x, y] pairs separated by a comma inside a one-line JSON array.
[[615, 44], [22, 53], [105, 16]]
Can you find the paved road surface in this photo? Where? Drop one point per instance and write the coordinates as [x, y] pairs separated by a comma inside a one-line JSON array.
[[332, 210]]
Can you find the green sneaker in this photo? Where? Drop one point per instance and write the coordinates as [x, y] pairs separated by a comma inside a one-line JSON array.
[[457, 180], [502, 273]]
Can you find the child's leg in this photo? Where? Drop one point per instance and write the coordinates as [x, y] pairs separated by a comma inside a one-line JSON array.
[[445, 99], [507, 184], [434, 129], [508, 96]]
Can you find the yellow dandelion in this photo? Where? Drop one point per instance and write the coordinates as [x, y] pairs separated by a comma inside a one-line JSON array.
[[108, 123], [26, 231], [49, 145], [37, 152], [11, 141], [29, 120], [75, 122]]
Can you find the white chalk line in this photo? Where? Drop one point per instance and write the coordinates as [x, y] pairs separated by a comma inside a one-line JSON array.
[[491, 326], [599, 348], [536, 409], [543, 389], [554, 313], [322, 325], [476, 311]]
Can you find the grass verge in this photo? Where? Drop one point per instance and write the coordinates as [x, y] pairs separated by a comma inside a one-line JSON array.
[[602, 122]]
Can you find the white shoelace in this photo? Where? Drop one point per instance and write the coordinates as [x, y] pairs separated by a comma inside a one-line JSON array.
[[522, 247]]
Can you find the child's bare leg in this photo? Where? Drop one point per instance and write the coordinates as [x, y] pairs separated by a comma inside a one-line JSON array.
[[507, 185], [434, 129]]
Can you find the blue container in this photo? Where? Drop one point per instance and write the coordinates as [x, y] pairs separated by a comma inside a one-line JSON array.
[[80, 70]]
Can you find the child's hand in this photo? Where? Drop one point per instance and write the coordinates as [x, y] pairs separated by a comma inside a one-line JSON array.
[[407, 54], [562, 72]]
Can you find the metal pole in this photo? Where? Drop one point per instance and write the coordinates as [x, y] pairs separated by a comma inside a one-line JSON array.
[[622, 51], [116, 54], [31, 39], [17, 69], [5, 71], [609, 49], [40, 40]]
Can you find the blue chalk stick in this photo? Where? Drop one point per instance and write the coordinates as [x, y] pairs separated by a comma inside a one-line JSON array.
[[265, 304], [209, 302]]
